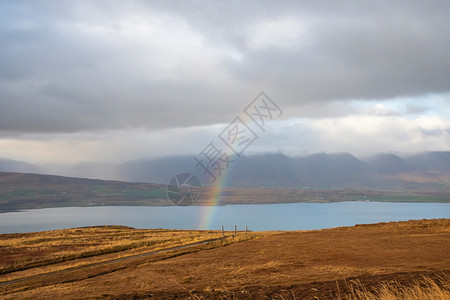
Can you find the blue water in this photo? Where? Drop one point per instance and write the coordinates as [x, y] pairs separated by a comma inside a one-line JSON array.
[[298, 216]]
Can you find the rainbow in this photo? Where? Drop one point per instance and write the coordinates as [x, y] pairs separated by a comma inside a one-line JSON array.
[[209, 212]]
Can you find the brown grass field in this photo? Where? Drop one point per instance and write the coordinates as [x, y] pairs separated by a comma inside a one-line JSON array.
[[397, 260]]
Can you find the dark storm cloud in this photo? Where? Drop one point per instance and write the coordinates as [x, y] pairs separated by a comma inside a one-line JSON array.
[[379, 49], [75, 66]]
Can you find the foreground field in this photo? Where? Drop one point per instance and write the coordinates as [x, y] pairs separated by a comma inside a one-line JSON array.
[[24, 251], [327, 264]]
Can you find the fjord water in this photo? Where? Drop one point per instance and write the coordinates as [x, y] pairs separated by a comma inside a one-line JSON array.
[[297, 216]]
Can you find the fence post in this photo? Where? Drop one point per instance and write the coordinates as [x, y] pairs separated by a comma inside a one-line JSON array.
[[234, 230], [223, 232]]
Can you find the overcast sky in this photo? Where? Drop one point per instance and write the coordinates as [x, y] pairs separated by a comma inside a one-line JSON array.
[[117, 81]]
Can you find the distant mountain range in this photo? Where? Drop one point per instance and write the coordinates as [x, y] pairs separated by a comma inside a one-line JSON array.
[[429, 170], [8, 165], [252, 179]]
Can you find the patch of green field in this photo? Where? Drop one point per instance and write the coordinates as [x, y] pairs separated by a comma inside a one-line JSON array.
[[412, 198]]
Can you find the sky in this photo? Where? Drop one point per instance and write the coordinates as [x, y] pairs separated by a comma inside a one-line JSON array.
[[113, 81]]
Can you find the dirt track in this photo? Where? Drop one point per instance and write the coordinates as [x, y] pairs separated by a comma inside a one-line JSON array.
[[104, 263]]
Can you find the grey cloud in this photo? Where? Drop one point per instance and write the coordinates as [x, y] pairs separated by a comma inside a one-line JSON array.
[[416, 109], [434, 132], [348, 61], [56, 77]]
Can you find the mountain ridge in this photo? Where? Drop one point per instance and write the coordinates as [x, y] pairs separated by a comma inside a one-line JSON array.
[[430, 170]]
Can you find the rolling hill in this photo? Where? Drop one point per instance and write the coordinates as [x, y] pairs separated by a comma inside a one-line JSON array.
[[26, 191]]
